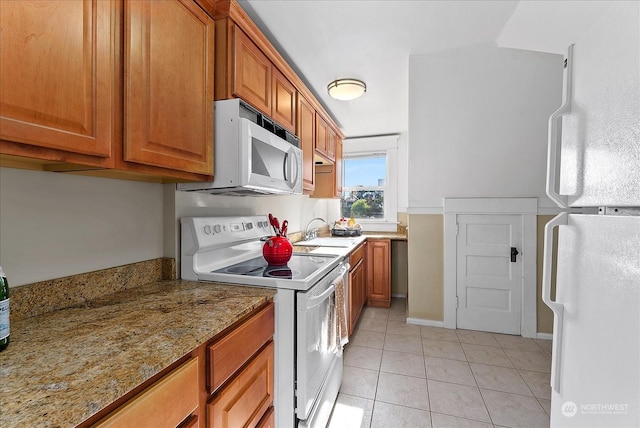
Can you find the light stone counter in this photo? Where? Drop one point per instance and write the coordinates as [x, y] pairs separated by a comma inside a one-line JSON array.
[[64, 366]]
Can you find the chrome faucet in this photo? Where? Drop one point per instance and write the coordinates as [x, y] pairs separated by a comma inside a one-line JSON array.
[[314, 233]]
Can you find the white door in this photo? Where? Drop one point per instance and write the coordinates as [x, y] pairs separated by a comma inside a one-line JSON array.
[[489, 273]]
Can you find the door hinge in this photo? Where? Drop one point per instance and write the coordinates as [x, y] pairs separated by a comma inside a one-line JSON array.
[[457, 229], [456, 302]]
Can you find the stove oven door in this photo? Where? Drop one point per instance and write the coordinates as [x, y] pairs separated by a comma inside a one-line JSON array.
[[317, 346]]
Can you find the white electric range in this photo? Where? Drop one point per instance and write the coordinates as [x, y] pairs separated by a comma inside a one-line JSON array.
[[308, 358]]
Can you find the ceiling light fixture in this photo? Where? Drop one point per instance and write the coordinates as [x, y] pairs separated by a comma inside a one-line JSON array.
[[346, 89]]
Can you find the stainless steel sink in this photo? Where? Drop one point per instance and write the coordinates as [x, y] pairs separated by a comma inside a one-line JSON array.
[[328, 242]]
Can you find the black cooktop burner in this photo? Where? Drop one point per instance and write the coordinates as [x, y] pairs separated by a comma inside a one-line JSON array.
[[300, 266]]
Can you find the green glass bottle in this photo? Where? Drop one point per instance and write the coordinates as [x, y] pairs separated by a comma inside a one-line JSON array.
[[4, 311]]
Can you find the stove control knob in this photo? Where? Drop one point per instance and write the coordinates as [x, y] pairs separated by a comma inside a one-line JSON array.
[[249, 226], [217, 228], [207, 229]]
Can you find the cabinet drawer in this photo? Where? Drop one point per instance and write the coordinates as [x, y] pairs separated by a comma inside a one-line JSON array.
[[244, 401], [232, 351], [357, 255], [166, 403]]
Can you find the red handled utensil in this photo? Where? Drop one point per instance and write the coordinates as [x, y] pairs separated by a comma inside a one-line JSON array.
[[276, 224], [274, 221], [285, 225]]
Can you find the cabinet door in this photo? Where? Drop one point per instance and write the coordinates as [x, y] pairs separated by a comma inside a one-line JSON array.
[[283, 108], [379, 272], [331, 144], [247, 397], [251, 72], [169, 85], [58, 65], [338, 163], [322, 133], [306, 132], [356, 292]]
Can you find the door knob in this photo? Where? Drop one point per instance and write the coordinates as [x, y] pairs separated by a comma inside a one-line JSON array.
[[514, 253]]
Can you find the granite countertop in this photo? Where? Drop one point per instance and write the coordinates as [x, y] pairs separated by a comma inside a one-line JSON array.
[[344, 251], [64, 366]]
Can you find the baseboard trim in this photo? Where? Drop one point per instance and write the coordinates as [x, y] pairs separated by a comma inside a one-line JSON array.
[[428, 323], [403, 296], [545, 336]]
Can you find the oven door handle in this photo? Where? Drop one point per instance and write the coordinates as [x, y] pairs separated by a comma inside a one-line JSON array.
[[317, 300]]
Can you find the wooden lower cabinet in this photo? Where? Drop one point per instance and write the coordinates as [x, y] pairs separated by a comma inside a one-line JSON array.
[[166, 403], [244, 401], [379, 272], [357, 284], [241, 369]]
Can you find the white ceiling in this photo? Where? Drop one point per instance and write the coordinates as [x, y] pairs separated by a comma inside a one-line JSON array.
[[324, 40]]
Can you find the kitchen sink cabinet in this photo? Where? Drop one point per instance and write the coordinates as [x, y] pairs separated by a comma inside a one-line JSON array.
[[379, 272], [120, 89], [357, 284], [305, 130], [168, 97]]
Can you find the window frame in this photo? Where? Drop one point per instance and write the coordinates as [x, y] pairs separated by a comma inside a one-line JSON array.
[[368, 155], [368, 147]]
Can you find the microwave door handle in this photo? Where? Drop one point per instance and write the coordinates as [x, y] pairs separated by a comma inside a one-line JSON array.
[[284, 166]]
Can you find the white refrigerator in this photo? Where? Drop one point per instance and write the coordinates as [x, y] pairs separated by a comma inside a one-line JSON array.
[[594, 175]]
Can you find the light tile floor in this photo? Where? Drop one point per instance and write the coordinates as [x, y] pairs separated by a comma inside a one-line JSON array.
[[398, 375]]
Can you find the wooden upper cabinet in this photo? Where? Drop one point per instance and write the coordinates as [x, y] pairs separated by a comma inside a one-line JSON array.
[[306, 132], [331, 143], [169, 63], [339, 167], [58, 65], [322, 134], [251, 72], [262, 85], [283, 105]]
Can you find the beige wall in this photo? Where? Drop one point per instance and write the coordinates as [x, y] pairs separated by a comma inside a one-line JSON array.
[[426, 267], [426, 270], [545, 316]]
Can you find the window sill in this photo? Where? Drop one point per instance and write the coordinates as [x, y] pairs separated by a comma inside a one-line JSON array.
[[377, 225]]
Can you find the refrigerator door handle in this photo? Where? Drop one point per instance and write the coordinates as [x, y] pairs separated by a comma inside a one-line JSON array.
[[557, 308], [554, 143]]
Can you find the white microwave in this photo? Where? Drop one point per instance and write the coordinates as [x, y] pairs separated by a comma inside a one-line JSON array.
[[253, 155]]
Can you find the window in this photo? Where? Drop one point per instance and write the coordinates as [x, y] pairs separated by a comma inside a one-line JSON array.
[[370, 182], [364, 186]]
